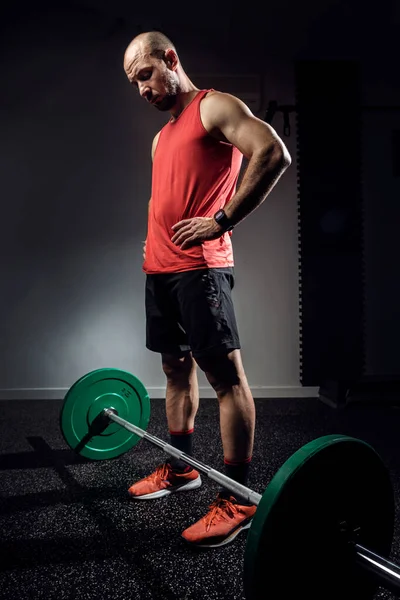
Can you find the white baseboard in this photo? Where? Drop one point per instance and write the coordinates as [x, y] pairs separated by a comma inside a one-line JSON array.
[[257, 391], [159, 392]]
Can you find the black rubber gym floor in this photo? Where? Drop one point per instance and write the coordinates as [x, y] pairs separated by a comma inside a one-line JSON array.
[[69, 530]]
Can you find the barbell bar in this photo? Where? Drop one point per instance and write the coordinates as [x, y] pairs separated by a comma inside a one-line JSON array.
[[220, 478], [323, 526]]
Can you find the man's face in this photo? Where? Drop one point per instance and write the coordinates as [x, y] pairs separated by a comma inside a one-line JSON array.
[[154, 80]]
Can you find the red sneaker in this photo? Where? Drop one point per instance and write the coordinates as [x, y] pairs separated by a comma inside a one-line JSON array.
[[164, 481], [224, 521]]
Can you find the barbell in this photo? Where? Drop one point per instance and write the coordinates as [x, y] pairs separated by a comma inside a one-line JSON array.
[[323, 527]]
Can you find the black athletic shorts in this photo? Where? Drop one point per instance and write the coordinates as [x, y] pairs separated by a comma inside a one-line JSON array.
[[191, 311]]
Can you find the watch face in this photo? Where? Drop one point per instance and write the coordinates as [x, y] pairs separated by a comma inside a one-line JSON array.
[[223, 220]]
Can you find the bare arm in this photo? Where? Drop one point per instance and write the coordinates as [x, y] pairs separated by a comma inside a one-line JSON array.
[[228, 119], [268, 158], [153, 149]]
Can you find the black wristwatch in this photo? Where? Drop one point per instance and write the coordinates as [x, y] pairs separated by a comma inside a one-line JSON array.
[[223, 220]]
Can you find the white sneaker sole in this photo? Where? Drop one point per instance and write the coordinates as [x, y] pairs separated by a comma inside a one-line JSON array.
[[225, 541], [186, 487]]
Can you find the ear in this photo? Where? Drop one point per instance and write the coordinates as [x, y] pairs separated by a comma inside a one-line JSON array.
[[171, 59]]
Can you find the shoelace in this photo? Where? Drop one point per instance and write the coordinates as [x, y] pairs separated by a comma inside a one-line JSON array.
[[219, 509], [161, 472]]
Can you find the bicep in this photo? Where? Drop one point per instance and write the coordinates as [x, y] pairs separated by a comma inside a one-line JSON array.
[[243, 129]]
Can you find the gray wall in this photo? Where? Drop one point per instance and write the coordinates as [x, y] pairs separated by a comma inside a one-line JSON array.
[[75, 149]]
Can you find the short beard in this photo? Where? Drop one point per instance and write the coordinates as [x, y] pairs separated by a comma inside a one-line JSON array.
[[166, 103], [171, 92]]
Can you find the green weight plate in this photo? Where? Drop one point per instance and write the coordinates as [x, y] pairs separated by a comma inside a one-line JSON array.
[[86, 399], [296, 546]]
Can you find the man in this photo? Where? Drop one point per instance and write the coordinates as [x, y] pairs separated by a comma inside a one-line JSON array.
[[188, 261]]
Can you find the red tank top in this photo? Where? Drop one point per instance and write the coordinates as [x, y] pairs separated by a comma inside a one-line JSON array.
[[193, 176]]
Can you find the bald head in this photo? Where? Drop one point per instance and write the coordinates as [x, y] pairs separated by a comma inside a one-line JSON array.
[[152, 65], [149, 43]]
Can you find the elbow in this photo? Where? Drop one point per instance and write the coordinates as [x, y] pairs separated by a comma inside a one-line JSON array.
[[287, 159], [277, 156], [282, 157]]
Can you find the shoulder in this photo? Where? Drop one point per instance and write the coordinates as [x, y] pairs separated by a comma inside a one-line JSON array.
[[218, 109], [220, 104]]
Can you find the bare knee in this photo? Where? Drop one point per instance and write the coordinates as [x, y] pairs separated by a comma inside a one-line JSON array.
[[178, 367], [223, 372]]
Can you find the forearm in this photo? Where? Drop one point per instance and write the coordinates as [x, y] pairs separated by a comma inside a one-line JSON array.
[[262, 174]]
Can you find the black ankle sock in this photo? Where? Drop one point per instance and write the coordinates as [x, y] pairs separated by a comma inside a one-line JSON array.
[[181, 440], [239, 472]]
